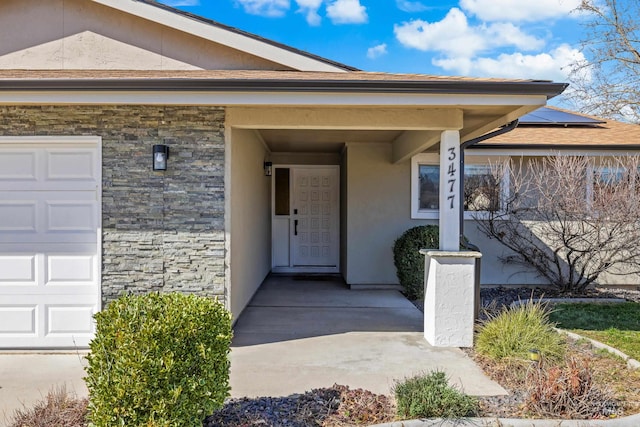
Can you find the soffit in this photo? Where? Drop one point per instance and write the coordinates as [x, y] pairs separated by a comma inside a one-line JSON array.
[[333, 141]]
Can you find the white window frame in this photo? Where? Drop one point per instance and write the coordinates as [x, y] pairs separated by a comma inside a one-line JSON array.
[[433, 159]]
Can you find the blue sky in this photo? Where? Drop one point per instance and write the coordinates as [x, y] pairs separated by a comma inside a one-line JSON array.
[[535, 39]]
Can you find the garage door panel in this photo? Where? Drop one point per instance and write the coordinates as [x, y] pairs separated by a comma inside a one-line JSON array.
[[18, 269], [57, 271], [18, 216], [49, 216], [68, 320], [70, 165], [52, 321], [71, 216], [18, 165], [18, 320], [76, 270], [37, 169]]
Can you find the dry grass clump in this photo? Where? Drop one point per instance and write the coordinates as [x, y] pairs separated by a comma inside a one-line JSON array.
[[567, 391], [360, 407], [58, 409], [611, 370]]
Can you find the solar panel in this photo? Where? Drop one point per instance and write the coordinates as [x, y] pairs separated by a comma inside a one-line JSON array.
[[549, 116]]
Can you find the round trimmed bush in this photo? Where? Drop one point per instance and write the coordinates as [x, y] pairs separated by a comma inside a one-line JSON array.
[[408, 260], [158, 360]]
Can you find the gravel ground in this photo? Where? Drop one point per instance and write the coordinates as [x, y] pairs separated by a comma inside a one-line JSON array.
[[313, 407], [300, 410], [502, 296]]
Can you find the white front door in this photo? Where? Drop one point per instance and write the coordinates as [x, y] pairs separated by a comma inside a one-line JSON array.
[[49, 241], [306, 219]]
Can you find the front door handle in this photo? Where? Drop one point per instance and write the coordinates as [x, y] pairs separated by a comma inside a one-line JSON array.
[[295, 227]]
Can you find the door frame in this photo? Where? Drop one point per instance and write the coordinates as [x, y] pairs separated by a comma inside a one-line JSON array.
[[306, 269]]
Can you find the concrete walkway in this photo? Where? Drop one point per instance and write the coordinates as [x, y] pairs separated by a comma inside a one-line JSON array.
[[303, 333]]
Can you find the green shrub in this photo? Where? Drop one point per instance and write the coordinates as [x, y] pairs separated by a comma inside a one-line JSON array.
[[408, 260], [512, 333], [430, 396], [158, 360]]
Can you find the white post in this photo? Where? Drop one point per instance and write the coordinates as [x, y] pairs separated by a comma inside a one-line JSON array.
[[450, 191], [449, 302], [449, 273]]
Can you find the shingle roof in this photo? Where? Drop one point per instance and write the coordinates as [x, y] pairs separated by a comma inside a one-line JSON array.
[[237, 75], [609, 134]]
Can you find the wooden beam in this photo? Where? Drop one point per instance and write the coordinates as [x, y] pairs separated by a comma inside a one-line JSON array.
[[413, 142], [418, 119]]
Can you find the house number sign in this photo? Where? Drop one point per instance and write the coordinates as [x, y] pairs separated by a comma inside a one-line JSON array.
[[451, 177]]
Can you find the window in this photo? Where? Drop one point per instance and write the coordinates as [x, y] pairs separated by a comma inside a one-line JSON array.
[[481, 191], [608, 184], [282, 191]]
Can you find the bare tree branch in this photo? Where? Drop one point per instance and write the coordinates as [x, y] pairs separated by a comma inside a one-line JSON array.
[[608, 82], [569, 218]]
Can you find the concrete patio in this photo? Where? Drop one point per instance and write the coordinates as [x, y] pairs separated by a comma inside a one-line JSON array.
[[300, 333]]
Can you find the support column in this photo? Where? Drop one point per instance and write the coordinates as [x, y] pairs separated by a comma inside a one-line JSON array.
[[449, 301], [450, 191]]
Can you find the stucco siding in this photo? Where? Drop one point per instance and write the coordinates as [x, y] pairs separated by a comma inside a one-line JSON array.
[[76, 34], [378, 212], [249, 217], [161, 231]]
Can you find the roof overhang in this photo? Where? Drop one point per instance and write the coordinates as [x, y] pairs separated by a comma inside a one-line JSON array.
[[419, 108], [346, 85]]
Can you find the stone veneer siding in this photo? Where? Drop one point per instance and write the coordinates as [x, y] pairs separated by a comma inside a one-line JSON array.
[[161, 231]]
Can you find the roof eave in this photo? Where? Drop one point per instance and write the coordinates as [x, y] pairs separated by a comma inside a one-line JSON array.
[[546, 88]]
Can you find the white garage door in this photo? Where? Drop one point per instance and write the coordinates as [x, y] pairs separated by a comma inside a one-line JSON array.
[[49, 241]]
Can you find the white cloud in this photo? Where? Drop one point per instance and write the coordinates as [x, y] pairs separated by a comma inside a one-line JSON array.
[[519, 10], [265, 7], [377, 51], [176, 3], [410, 6], [554, 65], [310, 9], [454, 37], [347, 12], [507, 34]]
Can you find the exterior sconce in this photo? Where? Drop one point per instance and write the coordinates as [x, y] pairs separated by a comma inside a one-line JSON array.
[[268, 166], [160, 156]]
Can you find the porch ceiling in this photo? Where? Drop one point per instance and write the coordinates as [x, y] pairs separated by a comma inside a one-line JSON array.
[[322, 141], [477, 120]]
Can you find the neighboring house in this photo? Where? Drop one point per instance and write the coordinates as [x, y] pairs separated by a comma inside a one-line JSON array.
[[544, 132], [88, 87]]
